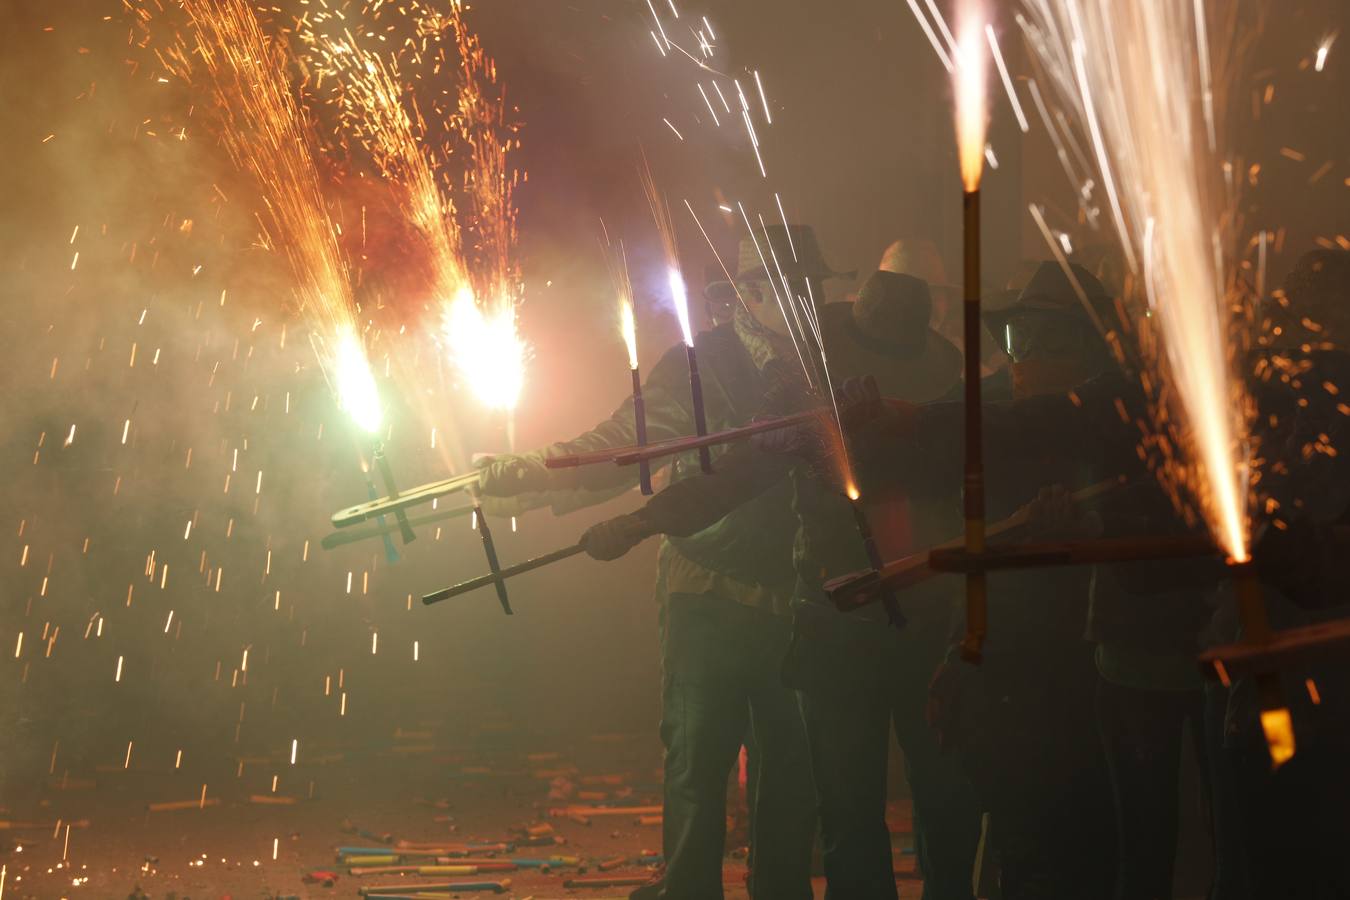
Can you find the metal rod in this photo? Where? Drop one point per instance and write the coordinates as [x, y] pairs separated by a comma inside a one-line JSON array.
[[972, 647], [632, 455], [387, 474], [700, 416], [859, 589], [1071, 553], [425, 493], [499, 575], [351, 536], [490, 551], [627, 456], [390, 551], [640, 426]]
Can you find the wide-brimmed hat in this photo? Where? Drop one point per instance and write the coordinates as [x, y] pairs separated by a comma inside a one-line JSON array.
[[793, 250], [1050, 290], [919, 258], [885, 334]]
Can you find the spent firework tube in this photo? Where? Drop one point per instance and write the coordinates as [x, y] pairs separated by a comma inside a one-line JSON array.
[[640, 426], [608, 881], [395, 891]]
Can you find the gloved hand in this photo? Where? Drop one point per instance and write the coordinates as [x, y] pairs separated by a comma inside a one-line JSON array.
[[859, 401], [614, 537], [509, 474], [1053, 515]]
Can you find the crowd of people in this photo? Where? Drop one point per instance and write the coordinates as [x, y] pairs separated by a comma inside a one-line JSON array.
[[1052, 768]]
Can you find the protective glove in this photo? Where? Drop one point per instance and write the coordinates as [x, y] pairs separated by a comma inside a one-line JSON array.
[[613, 538], [509, 475], [859, 401]]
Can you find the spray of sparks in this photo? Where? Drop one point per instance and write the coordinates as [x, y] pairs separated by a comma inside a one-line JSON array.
[[486, 349], [972, 90], [261, 125], [451, 172], [617, 261], [1139, 80], [665, 228]]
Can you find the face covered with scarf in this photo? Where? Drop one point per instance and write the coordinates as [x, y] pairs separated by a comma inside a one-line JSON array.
[[760, 321]]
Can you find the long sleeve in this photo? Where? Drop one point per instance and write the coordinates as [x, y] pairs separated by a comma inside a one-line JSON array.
[[1097, 422], [692, 504]]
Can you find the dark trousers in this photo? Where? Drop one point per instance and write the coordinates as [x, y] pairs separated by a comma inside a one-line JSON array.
[[857, 681], [1037, 763], [1142, 735], [720, 663]]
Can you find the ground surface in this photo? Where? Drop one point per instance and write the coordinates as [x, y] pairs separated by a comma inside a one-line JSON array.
[[412, 788]]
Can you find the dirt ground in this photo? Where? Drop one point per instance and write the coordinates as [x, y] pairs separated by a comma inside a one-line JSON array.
[[93, 835]]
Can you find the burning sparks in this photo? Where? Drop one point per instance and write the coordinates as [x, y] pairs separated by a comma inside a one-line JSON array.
[[264, 131], [356, 384], [486, 349], [474, 272], [971, 81], [1136, 77]]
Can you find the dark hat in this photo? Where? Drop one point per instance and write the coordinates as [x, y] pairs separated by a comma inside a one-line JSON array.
[[793, 250], [1050, 290], [886, 334]]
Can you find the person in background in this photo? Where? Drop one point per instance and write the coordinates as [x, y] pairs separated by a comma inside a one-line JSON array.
[[724, 592], [858, 677]]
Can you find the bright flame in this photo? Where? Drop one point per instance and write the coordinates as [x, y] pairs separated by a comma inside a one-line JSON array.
[[628, 325], [853, 492], [971, 75], [679, 295], [486, 349], [356, 383], [1136, 77], [1279, 731]]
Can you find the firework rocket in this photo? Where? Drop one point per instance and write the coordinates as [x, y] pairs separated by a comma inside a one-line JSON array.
[[629, 327], [680, 295], [971, 122]]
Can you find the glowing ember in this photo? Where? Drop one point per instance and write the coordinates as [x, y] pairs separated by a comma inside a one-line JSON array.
[[971, 77], [1279, 730], [355, 383], [1322, 50], [1136, 78], [486, 349]]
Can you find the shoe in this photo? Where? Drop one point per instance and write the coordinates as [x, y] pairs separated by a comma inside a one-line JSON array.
[[647, 892]]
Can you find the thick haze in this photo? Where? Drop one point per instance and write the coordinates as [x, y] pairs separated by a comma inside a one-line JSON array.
[[861, 148]]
